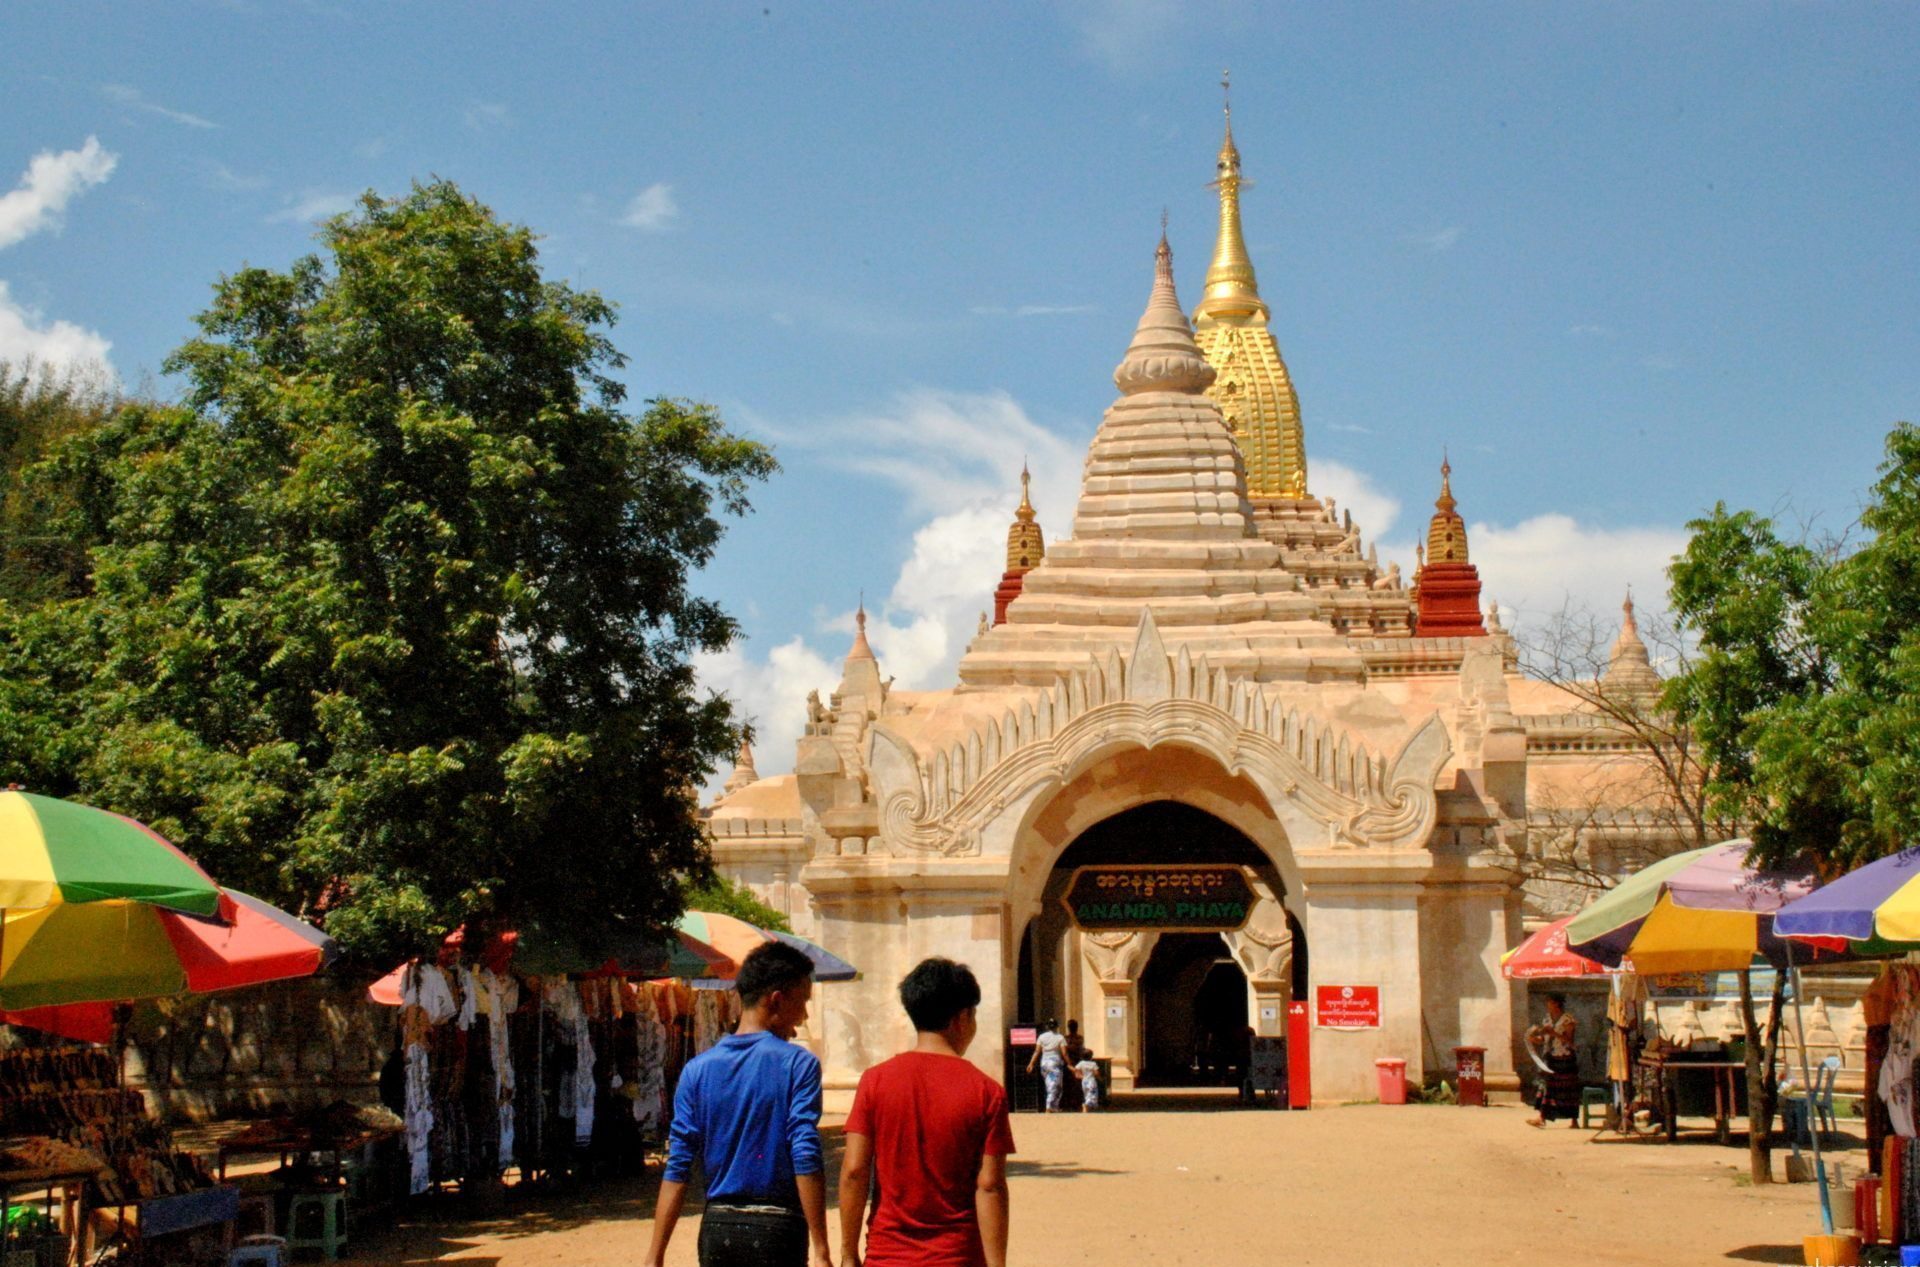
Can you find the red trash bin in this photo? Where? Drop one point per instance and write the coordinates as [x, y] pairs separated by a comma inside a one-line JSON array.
[[1393, 1080], [1470, 1076]]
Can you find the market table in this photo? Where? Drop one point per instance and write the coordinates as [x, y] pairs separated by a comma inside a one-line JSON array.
[[46, 1165], [1725, 1087], [268, 1139]]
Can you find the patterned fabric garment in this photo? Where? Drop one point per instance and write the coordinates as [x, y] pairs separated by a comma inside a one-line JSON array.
[[1903, 1043], [1054, 1076]]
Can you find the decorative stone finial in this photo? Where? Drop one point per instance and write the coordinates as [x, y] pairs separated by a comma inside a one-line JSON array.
[[743, 771], [1629, 668], [860, 650], [1163, 356]]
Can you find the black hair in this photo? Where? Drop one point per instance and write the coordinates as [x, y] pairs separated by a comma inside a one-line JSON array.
[[1051, 1025], [1073, 1027], [937, 991], [774, 966], [1557, 997]]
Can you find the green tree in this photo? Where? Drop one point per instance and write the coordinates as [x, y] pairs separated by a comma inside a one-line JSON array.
[[42, 555], [392, 615], [1806, 691]]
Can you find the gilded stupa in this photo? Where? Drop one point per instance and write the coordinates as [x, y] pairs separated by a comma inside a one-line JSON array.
[[1252, 386]]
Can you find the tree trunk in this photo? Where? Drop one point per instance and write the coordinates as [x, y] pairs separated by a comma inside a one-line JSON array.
[[1761, 1088]]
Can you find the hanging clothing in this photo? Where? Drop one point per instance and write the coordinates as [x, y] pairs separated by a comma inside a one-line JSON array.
[[1625, 1003], [1896, 1081]]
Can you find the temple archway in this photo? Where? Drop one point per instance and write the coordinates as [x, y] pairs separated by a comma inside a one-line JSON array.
[[1170, 1007]]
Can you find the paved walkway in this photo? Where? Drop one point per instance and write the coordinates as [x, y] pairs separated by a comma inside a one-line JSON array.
[[1209, 1186]]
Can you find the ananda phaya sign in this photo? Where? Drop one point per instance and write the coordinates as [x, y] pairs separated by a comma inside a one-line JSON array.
[[1187, 898]]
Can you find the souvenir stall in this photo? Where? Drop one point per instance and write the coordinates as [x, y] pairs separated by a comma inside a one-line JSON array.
[[116, 1171], [541, 1074]]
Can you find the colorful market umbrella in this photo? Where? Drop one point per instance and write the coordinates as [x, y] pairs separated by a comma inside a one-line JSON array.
[[734, 938], [1704, 910], [1544, 955], [827, 966], [1874, 910], [101, 953], [54, 852]]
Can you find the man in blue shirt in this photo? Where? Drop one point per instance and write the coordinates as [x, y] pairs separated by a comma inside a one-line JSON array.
[[748, 1110]]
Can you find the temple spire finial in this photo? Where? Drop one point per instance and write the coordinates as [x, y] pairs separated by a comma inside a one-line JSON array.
[[860, 649], [1447, 532], [1163, 356]]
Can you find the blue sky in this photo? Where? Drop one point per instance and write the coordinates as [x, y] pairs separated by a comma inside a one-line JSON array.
[[1624, 260]]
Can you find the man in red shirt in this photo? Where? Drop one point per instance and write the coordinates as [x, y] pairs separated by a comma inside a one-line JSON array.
[[929, 1134]]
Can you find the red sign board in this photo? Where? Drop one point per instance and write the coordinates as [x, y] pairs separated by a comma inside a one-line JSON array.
[[1347, 1006], [1023, 1036]]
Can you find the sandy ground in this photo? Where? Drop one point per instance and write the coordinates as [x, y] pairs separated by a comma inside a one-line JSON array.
[[1198, 1184]]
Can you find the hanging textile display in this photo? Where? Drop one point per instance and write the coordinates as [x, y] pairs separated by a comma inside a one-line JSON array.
[[649, 1107], [426, 1002]]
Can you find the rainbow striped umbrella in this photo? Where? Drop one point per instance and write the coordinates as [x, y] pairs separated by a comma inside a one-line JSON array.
[[1705, 910], [100, 953], [55, 852], [1875, 909]]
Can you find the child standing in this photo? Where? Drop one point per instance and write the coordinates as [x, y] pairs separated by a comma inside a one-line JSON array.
[[1089, 1071]]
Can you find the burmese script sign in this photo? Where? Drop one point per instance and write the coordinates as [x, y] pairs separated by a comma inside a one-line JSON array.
[[1187, 898], [1347, 1006]]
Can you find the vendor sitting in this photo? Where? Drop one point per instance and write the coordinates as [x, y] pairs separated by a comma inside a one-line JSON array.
[[1557, 1093]]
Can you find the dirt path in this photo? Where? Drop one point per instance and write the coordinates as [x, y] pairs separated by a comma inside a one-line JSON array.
[[1210, 1188]]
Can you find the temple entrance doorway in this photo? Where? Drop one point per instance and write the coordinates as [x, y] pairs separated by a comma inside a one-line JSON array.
[[1193, 1004], [1169, 1007]]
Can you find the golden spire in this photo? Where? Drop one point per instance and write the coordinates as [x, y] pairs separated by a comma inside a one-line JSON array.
[[1447, 533], [1231, 288], [1025, 545], [1253, 389]]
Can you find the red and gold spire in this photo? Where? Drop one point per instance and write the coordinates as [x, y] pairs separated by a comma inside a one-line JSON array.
[[1448, 585], [1026, 546]]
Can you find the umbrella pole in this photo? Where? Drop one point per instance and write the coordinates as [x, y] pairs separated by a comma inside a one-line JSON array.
[[1806, 1075]]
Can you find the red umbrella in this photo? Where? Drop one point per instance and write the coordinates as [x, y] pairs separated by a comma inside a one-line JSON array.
[[1544, 954], [262, 944]]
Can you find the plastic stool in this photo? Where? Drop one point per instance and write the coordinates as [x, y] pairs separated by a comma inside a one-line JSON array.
[[268, 1251], [1594, 1098], [324, 1225]]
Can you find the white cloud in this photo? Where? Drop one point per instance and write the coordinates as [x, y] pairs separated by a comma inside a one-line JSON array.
[[49, 183], [955, 451], [1541, 566], [483, 116], [27, 337], [1374, 509], [1439, 239], [311, 207], [131, 97], [772, 694], [1591, 330], [1124, 35], [956, 456], [1348, 428], [652, 209]]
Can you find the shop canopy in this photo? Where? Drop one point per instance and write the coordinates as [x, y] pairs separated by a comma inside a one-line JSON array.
[[81, 959], [1874, 910], [1544, 956], [1704, 910], [55, 852], [536, 952]]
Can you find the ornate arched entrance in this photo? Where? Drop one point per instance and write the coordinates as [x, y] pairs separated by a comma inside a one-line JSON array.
[[1131, 988]]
